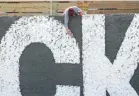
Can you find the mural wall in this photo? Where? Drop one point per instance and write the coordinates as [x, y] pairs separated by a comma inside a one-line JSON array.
[[38, 58]]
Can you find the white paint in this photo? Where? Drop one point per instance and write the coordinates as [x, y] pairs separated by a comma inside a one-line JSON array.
[[67, 90], [125, 63], [98, 72], [25, 31], [95, 64]]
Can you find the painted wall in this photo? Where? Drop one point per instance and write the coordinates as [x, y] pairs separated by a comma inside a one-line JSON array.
[[37, 58]]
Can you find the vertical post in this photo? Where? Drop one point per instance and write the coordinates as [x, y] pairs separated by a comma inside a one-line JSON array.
[[57, 8], [51, 7]]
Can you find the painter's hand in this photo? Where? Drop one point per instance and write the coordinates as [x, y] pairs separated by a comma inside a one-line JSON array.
[[70, 33]]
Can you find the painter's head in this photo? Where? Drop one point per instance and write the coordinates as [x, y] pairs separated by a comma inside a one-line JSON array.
[[71, 12]]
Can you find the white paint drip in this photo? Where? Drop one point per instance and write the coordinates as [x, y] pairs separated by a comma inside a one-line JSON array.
[[25, 31], [98, 72], [67, 90]]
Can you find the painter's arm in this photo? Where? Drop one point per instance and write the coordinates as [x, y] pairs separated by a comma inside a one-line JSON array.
[[78, 11], [66, 19]]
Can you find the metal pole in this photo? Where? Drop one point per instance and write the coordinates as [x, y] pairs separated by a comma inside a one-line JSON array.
[[51, 7], [57, 8]]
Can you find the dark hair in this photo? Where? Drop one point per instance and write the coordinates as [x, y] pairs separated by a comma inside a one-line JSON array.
[[71, 12]]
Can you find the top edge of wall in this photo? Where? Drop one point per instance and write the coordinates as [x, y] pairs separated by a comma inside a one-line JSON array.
[[69, 0], [12, 15], [48, 0]]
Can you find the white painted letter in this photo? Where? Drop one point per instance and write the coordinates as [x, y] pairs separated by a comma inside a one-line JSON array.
[[98, 72], [25, 31]]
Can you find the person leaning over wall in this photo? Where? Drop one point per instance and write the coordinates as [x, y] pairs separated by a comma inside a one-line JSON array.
[[69, 12]]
